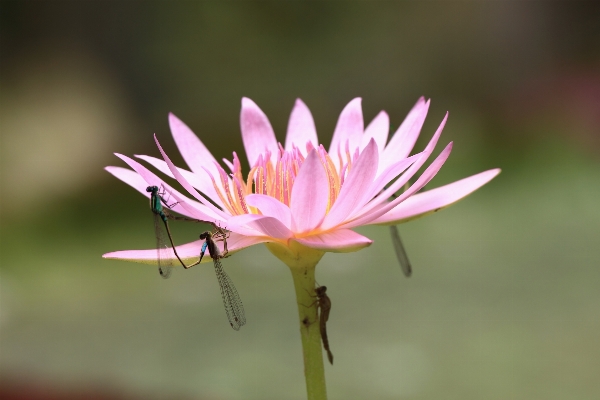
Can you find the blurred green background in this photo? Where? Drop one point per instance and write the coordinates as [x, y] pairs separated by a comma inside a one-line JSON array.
[[504, 302]]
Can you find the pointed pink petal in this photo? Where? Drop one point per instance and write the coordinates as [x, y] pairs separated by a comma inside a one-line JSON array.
[[189, 252], [259, 225], [401, 181], [131, 178], [183, 182], [404, 139], [378, 129], [310, 194], [193, 151], [200, 180], [198, 211], [271, 207], [350, 127], [184, 206], [270, 227], [301, 128], [257, 133], [238, 224], [423, 180], [436, 199], [391, 173], [355, 189], [338, 241]]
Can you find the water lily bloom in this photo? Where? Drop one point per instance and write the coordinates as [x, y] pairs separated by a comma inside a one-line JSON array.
[[301, 193], [301, 199]]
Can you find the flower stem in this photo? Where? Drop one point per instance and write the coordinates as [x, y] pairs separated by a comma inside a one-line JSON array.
[[302, 262]]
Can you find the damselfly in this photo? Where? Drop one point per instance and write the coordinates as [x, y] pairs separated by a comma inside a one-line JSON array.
[[231, 299], [163, 250], [323, 308], [160, 206]]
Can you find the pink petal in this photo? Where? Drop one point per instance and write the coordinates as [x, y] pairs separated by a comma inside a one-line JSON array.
[[257, 133], [301, 128], [271, 207], [355, 189], [434, 200], [404, 139], [184, 205], [189, 252], [197, 211], [271, 227], [186, 184], [261, 225], [350, 127], [390, 174], [310, 194], [423, 180], [193, 151], [378, 129], [400, 182], [131, 178], [238, 224], [200, 180], [338, 241]]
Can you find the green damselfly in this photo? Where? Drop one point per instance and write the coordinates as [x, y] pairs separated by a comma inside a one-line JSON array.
[[231, 299], [165, 250]]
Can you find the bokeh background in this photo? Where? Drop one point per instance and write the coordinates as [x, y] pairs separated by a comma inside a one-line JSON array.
[[504, 302]]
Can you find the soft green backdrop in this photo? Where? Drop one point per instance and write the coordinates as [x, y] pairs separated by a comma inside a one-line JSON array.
[[504, 302]]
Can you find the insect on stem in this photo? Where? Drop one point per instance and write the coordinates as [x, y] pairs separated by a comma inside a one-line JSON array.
[[323, 308]]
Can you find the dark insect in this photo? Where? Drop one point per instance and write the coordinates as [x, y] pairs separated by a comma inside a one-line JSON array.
[[324, 307], [164, 251], [231, 299]]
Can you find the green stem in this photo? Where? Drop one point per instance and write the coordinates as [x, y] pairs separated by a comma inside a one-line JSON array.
[[302, 262]]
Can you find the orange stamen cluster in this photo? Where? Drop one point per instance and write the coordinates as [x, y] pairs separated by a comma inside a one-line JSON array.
[[277, 180]]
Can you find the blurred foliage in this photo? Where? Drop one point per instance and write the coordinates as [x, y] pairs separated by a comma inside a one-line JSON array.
[[504, 301]]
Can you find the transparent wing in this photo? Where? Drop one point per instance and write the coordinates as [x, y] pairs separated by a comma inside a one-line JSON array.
[[400, 252], [165, 196], [231, 299], [164, 252]]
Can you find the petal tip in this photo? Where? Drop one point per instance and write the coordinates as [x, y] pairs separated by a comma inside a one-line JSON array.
[[247, 102], [494, 172], [122, 156], [173, 119]]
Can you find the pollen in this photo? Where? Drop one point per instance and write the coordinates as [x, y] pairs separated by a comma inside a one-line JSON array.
[[276, 178]]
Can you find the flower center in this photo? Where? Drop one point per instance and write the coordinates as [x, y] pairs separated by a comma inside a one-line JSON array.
[[277, 179]]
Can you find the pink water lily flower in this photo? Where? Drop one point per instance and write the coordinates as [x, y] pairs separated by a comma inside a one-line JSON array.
[[302, 192]]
